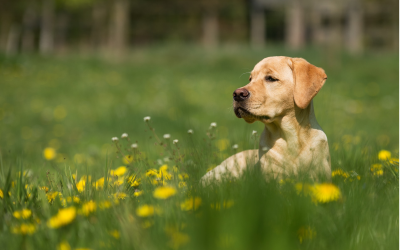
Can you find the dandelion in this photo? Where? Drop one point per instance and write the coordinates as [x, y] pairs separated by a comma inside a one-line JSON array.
[[64, 217], [164, 192], [120, 195], [137, 193], [213, 125], [167, 136], [24, 214], [119, 171], [254, 132], [128, 159], [52, 195], [1, 194], [81, 185], [124, 135], [384, 155], [147, 118], [191, 204], [24, 229], [64, 246], [326, 192], [145, 211], [190, 131], [99, 184], [104, 204], [114, 139], [49, 153], [377, 169], [305, 233], [235, 146], [175, 141], [88, 207], [134, 145], [115, 234]]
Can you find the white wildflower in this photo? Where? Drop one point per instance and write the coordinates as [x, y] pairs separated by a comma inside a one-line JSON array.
[[160, 162], [134, 145], [147, 118], [166, 159], [254, 132], [213, 125], [235, 146], [167, 136], [175, 141], [190, 131], [124, 135], [265, 149], [114, 139]]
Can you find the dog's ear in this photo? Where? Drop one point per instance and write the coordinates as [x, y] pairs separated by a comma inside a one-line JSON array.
[[308, 80]]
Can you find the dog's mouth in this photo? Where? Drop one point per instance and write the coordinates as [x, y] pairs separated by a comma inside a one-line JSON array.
[[242, 112]]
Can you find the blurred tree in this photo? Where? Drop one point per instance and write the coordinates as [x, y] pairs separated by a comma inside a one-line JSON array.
[[46, 39], [119, 26]]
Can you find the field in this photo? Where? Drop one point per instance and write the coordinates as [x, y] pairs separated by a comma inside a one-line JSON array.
[[81, 190]]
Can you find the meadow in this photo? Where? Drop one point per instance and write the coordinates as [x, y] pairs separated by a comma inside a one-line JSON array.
[[70, 178]]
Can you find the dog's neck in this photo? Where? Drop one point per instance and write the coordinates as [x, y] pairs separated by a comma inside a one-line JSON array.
[[290, 133]]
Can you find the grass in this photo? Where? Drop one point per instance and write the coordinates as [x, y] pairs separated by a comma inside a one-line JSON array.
[[76, 104]]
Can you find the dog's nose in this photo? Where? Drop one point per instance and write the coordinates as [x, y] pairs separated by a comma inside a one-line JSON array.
[[241, 94]]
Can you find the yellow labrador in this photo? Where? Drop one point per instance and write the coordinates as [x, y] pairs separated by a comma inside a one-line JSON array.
[[280, 94]]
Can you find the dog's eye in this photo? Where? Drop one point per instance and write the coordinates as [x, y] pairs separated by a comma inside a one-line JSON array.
[[270, 79]]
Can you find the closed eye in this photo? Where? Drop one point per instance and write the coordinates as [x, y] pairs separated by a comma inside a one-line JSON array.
[[270, 79]]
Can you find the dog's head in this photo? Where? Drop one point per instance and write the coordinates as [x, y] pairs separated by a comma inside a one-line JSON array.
[[277, 85]]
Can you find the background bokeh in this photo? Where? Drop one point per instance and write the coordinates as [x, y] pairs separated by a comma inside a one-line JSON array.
[[76, 73]]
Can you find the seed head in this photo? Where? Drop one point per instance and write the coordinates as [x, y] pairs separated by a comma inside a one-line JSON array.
[[190, 131], [167, 136], [265, 149], [254, 132], [235, 146], [147, 118], [134, 145], [213, 125], [114, 139], [124, 135], [175, 141]]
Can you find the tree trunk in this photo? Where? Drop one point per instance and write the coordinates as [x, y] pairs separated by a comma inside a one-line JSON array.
[[354, 29], [295, 27], [119, 26], [28, 35], [210, 29], [13, 39], [98, 36], [46, 40], [257, 27]]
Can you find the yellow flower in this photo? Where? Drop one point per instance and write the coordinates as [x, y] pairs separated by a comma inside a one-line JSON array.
[[52, 195], [394, 161], [164, 192], [63, 217], [88, 207], [305, 233], [384, 155], [127, 159], [177, 239], [115, 234], [119, 171], [225, 204], [183, 176], [24, 229], [46, 189], [81, 185], [24, 213], [99, 183], [1, 194], [49, 153], [138, 193], [377, 169], [326, 192], [152, 173], [191, 204], [120, 195], [338, 172], [182, 184], [64, 246], [104, 204], [145, 211]]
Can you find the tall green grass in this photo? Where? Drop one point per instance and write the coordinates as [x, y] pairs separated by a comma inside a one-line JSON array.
[[76, 104]]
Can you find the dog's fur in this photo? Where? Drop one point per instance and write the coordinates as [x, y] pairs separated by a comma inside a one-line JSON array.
[[280, 96]]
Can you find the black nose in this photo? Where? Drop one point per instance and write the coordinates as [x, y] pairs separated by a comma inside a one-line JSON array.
[[241, 94]]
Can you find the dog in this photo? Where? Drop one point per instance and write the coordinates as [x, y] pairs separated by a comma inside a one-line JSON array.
[[279, 94]]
